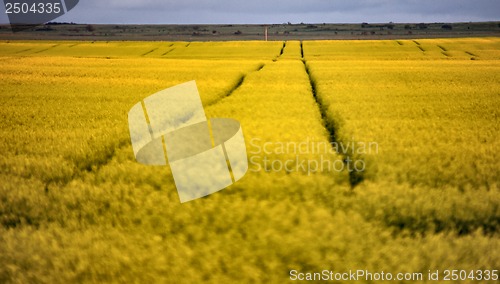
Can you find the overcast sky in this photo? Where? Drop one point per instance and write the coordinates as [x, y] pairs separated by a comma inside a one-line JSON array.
[[278, 11]]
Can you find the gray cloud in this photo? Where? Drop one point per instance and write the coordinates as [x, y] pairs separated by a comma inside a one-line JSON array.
[[278, 11]]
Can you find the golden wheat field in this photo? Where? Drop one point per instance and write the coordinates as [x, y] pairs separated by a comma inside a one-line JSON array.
[[377, 156]]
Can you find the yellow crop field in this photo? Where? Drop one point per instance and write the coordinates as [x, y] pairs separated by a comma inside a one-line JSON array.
[[379, 156]]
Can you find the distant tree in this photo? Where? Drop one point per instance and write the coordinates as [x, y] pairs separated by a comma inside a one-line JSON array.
[[446, 27], [365, 25], [90, 28], [238, 32], [60, 23], [45, 28], [407, 27], [422, 26]]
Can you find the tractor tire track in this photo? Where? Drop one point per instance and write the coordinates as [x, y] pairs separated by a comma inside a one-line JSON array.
[[93, 166], [282, 49], [330, 124], [43, 50], [152, 50], [236, 86], [82, 167], [281, 52], [24, 50], [444, 51], [168, 51], [419, 46], [474, 56]]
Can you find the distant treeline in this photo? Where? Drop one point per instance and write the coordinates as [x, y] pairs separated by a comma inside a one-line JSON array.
[[60, 23]]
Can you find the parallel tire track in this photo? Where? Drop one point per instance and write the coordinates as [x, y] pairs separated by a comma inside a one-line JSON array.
[[329, 122], [238, 84], [152, 50], [43, 50], [167, 52]]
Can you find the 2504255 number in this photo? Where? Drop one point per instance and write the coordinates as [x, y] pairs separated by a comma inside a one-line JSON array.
[[474, 275], [35, 8]]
